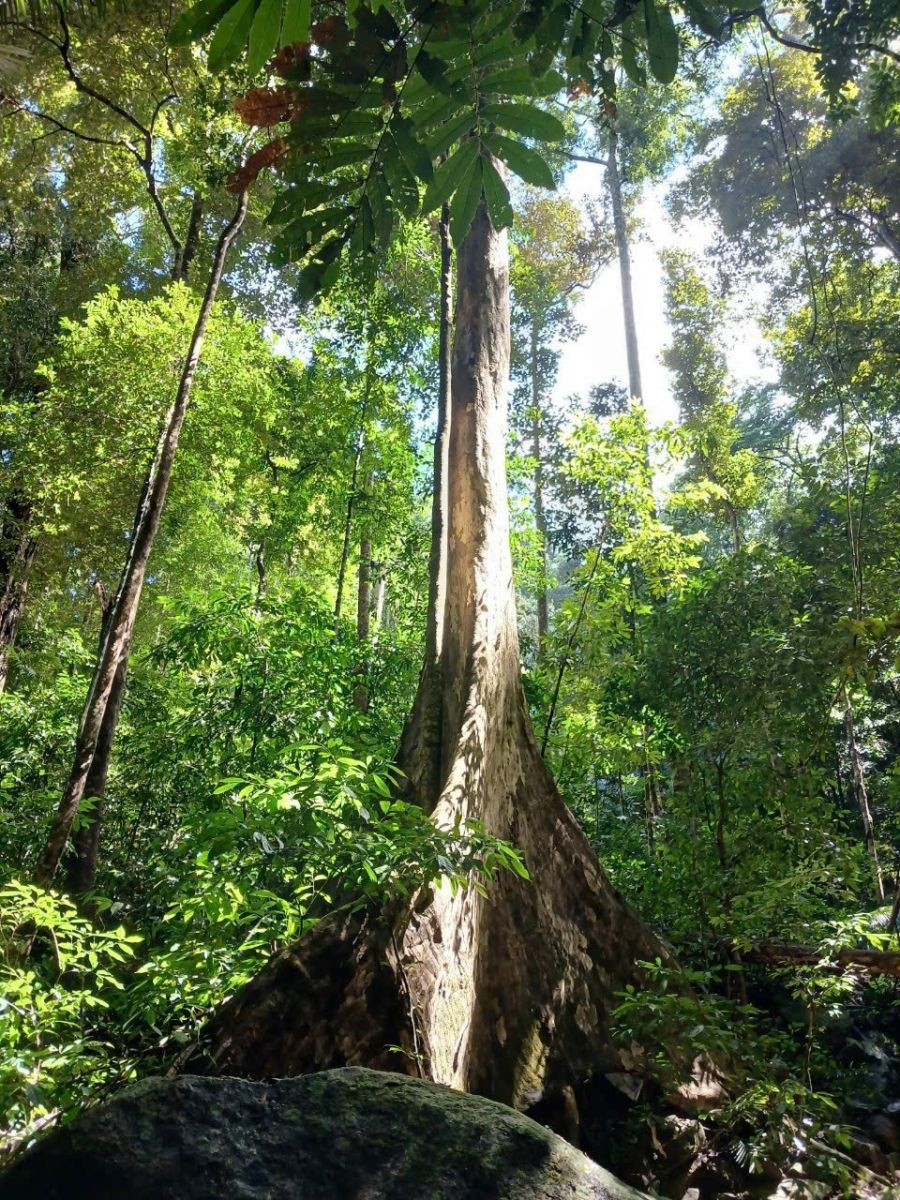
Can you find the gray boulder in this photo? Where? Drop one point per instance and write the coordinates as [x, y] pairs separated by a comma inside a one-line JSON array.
[[349, 1134]]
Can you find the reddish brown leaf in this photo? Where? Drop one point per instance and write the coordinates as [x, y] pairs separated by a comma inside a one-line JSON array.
[[325, 31], [267, 106], [262, 158], [289, 58]]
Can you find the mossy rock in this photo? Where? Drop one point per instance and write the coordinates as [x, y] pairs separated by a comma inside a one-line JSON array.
[[348, 1134]]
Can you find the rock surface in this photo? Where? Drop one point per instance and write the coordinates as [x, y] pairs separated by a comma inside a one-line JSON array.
[[348, 1134]]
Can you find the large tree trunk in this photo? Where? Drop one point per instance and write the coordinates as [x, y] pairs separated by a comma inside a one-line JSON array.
[[507, 995], [540, 521], [420, 747], [121, 625]]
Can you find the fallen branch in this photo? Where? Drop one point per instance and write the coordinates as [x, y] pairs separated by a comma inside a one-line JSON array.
[[876, 962]]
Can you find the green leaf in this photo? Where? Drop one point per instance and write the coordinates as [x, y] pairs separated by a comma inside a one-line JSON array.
[[198, 21], [345, 156], [400, 180], [633, 68], [465, 202], [433, 71], [295, 26], [382, 211], [525, 119], [264, 34], [231, 35], [526, 163], [452, 131], [519, 81], [449, 175], [703, 18], [662, 42], [414, 153], [496, 196], [498, 50]]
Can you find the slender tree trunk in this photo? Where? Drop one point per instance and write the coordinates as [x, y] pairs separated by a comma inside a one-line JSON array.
[[631, 343], [379, 597], [118, 638], [363, 620], [508, 995], [860, 793], [81, 868], [348, 529], [16, 560], [540, 523], [182, 265], [364, 591]]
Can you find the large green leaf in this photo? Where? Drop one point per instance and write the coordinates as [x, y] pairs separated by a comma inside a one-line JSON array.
[[496, 196], [662, 42], [231, 35], [633, 68], [449, 175], [295, 26], [525, 119], [416, 157], [198, 21], [264, 34], [519, 81], [703, 18], [451, 132], [526, 163], [465, 202]]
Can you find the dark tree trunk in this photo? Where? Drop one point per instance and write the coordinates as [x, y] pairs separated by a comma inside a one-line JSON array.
[[17, 552], [121, 625], [363, 621], [183, 262], [507, 995], [348, 529], [860, 793]]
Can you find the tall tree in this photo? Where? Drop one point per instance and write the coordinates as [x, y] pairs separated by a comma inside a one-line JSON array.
[[426, 977], [556, 252]]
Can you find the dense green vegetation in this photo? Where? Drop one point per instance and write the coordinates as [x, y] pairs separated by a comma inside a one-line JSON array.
[[708, 607]]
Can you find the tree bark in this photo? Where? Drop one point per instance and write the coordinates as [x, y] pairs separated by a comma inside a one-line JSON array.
[[363, 619], [508, 995], [876, 962], [17, 553], [631, 343], [420, 743], [81, 869], [860, 793], [121, 626], [540, 523], [379, 597], [348, 529]]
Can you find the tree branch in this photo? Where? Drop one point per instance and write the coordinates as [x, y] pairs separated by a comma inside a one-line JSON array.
[[876, 962]]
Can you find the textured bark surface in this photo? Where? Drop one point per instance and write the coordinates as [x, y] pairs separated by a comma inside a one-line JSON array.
[[17, 552], [507, 996], [860, 793], [540, 521], [340, 1135]]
